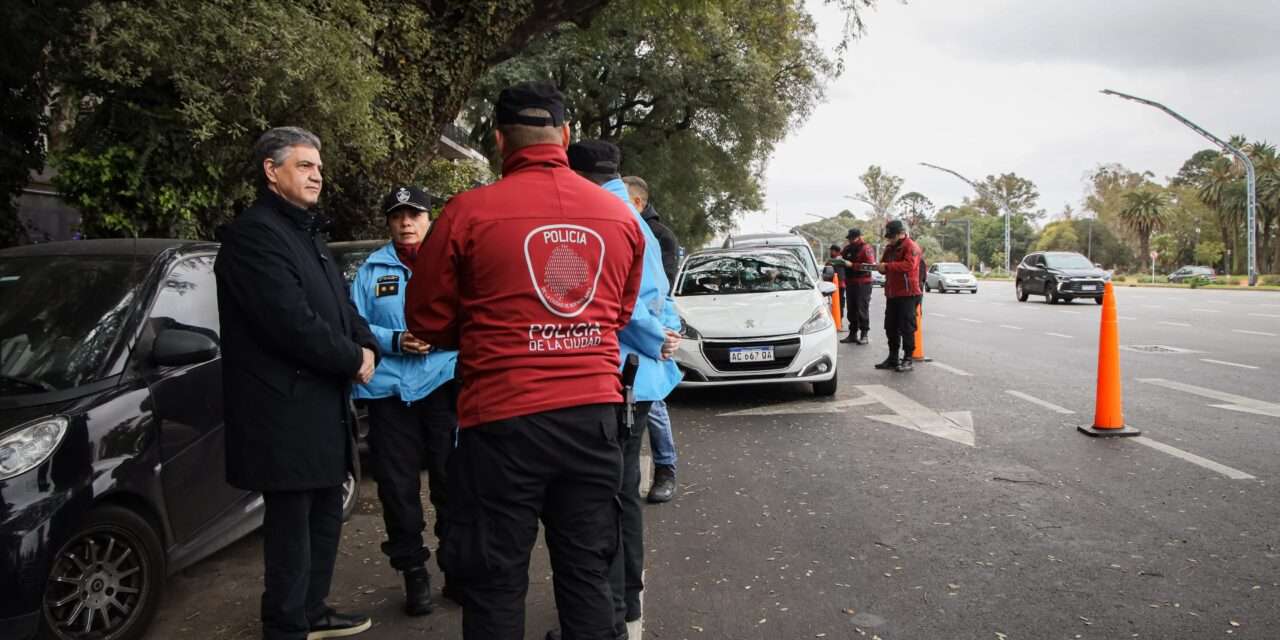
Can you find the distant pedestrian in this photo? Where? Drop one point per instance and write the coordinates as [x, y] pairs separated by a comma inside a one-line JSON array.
[[859, 256], [532, 278], [901, 266], [661, 440], [292, 343], [412, 399]]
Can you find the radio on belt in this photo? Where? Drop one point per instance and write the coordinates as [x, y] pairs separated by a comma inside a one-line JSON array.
[[629, 390]]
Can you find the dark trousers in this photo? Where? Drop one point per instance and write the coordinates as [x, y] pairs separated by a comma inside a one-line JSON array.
[[404, 439], [300, 534], [860, 306], [626, 574], [564, 466], [900, 324]]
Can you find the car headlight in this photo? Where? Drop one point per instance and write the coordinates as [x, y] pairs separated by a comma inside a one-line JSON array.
[[819, 321], [27, 447], [688, 332]]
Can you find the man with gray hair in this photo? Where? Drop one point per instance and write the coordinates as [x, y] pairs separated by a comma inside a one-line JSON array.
[[292, 344]]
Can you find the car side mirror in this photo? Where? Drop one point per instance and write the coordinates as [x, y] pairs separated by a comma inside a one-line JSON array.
[[1097, 265], [828, 272], [827, 288], [180, 347]]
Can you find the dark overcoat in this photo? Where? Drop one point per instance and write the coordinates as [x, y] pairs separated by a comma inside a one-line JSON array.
[[291, 344]]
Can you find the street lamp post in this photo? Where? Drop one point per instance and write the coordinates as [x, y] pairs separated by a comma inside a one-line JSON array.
[[983, 191], [1240, 155]]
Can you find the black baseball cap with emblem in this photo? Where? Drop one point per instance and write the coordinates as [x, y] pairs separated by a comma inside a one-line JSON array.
[[854, 233], [595, 156], [530, 95], [405, 196], [894, 228]]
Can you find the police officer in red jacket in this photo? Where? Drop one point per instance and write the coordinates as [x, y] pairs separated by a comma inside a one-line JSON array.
[[530, 278], [856, 254], [900, 265]]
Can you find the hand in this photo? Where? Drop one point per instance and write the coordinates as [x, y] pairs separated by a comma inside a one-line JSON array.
[[881, 267], [367, 365], [670, 344], [411, 344]]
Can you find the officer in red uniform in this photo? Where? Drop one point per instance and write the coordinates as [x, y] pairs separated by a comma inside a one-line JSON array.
[[530, 278], [858, 254], [901, 268]]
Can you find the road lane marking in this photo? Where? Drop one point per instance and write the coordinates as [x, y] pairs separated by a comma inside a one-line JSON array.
[[1057, 335], [1009, 326], [1234, 474], [1265, 315], [1208, 310], [1229, 364], [1034, 400], [1233, 401], [937, 315], [1254, 333], [1153, 306], [1174, 324], [956, 426], [1126, 318], [1074, 313], [971, 320], [947, 367], [805, 406]]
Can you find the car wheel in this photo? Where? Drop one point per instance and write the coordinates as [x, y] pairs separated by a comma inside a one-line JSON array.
[[973, 291], [1098, 299], [1022, 292], [926, 287], [942, 288], [1050, 297], [106, 580], [1067, 299], [828, 388], [350, 495]]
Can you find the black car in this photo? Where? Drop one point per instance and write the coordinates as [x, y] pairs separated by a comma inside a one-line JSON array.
[[1190, 272], [1060, 275], [111, 437]]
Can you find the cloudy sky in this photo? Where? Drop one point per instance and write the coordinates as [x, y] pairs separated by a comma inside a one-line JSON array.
[[992, 86]]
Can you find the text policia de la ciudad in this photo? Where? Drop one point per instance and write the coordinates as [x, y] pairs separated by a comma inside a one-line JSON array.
[[564, 264]]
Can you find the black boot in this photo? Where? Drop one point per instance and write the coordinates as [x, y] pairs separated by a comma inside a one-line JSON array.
[[889, 363], [906, 365], [863, 339], [417, 592], [664, 484], [852, 338]]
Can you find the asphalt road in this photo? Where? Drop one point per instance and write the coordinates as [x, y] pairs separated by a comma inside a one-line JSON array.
[[957, 501]]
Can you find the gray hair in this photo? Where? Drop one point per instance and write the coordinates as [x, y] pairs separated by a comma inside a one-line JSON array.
[[637, 187], [277, 143]]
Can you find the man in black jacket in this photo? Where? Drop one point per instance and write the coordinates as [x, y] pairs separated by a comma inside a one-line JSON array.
[[292, 344]]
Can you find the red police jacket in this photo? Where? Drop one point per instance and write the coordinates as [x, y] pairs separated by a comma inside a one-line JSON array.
[[859, 253], [529, 279], [902, 269]]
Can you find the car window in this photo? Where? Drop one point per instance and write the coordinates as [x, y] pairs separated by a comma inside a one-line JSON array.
[[1068, 261], [951, 268], [349, 261], [745, 273], [188, 297], [61, 317]]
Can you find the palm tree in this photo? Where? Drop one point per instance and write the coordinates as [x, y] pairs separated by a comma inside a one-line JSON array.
[[1143, 214], [1223, 190]]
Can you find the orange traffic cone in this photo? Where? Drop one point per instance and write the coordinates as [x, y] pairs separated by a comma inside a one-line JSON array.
[[1108, 417], [918, 353], [835, 301]]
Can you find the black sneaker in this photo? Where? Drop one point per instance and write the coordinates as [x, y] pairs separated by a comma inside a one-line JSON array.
[[906, 366], [862, 339], [852, 338], [889, 363], [338, 625], [417, 592], [664, 484]]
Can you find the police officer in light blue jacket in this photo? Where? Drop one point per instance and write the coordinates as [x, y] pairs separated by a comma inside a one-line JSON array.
[[652, 334], [412, 399]]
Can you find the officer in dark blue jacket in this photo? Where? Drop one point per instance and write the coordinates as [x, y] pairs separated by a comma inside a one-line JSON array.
[[412, 398]]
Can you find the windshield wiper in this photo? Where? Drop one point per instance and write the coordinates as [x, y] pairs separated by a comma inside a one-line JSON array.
[[29, 383]]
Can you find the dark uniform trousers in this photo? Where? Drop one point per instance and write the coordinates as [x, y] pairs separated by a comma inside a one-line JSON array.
[[404, 439], [626, 575], [900, 324], [300, 534], [563, 466], [860, 306]]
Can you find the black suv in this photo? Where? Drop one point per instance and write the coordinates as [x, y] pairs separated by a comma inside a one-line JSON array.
[[1060, 275], [111, 437]]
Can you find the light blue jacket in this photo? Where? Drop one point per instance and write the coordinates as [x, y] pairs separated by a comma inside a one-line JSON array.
[[654, 312], [378, 293]]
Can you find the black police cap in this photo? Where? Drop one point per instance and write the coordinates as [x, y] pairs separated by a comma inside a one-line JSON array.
[[854, 233], [405, 196], [530, 95], [595, 156], [894, 228]]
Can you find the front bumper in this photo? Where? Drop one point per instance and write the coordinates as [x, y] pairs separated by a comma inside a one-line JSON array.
[[958, 286], [813, 358], [1081, 288]]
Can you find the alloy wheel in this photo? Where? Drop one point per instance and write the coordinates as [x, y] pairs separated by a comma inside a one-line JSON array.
[[97, 584]]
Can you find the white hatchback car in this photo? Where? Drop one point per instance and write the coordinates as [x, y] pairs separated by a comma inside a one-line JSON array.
[[754, 316], [950, 276]]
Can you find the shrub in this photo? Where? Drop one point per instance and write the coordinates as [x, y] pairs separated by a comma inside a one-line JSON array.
[[1272, 280]]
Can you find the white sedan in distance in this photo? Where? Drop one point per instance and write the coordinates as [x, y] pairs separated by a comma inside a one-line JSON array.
[[754, 316], [950, 276]]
